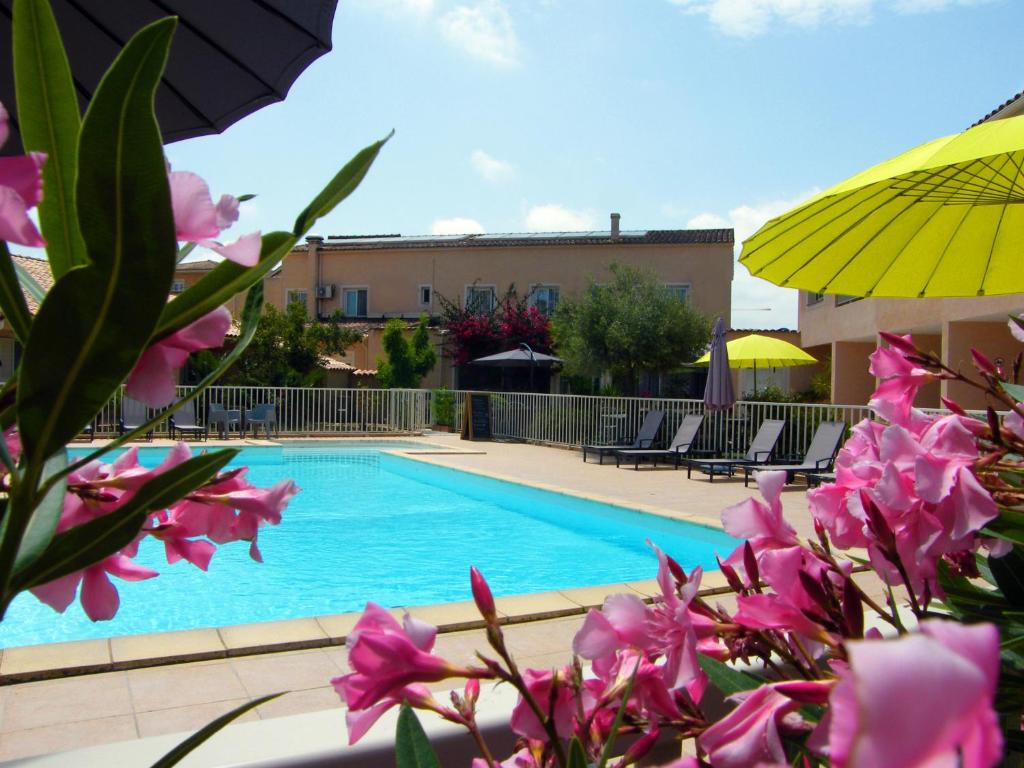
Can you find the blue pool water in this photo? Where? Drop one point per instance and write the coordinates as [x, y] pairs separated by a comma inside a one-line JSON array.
[[373, 526]]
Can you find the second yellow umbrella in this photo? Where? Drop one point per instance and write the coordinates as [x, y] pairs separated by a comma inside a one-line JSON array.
[[757, 351]]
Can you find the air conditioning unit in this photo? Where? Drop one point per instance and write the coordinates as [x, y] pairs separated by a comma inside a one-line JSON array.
[[325, 291]]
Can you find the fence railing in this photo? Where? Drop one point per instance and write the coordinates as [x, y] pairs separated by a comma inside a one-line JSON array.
[[307, 411], [573, 420]]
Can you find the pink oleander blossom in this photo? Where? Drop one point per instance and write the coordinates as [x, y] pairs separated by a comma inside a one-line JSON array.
[[153, 379], [386, 657], [763, 525], [197, 219], [99, 597], [540, 684], [901, 379], [21, 188], [922, 700]]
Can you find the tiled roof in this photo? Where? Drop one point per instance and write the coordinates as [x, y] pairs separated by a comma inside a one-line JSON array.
[[334, 364], [40, 271], [196, 266], [531, 239], [1009, 102]]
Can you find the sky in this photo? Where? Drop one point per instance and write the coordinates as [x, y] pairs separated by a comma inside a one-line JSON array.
[[547, 115]]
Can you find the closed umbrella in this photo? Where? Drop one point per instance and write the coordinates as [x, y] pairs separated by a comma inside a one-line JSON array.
[[757, 351], [718, 392], [944, 219], [229, 58]]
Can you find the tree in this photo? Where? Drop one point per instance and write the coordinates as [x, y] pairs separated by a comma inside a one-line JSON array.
[[630, 325], [409, 360], [286, 349]]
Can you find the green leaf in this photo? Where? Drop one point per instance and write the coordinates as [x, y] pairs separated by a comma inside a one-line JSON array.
[[1008, 572], [96, 319], [1016, 391], [28, 283], [412, 749], [341, 186], [725, 678], [87, 544], [12, 300], [43, 522], [220, 284], [577, 756], [203, 734], [49, 122]]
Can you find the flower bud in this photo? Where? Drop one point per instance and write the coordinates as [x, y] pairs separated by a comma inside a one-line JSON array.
[[472, 692], [899, 343], [982, 363], [482, 596], [953, 406]]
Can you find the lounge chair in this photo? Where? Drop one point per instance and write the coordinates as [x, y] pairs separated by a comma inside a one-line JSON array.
[[263, 415], [762, 449], [217, 416], [819, 457], [133, 415], [815, 478], [679, 447], [183, 421], [644, 438]]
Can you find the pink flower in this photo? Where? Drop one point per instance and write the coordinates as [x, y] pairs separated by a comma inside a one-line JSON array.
[[921, 700], [360, 721], [98, 595], [153, 379], [763, 525], [901, 379], [482, 595], [21, 188], [387, 657], [198, 220], [749, 735], [540, 683]]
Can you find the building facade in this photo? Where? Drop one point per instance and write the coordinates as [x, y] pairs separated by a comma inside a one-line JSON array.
[[372, 279]]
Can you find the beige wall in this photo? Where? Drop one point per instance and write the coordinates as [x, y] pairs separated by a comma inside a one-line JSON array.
[[393, 276], [994, 339], [852, 384]]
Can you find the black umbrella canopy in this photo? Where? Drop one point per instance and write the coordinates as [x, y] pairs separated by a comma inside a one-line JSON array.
[[518, 357], [228, 59]]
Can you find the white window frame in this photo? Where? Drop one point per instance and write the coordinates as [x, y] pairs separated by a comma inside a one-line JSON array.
[[294, 294], [344, 302], [419, 296], [480, 287], [674, 287], [539, 286], [177, 286]]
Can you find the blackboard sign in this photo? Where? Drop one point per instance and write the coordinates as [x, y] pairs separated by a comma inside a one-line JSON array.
[[476, 417]]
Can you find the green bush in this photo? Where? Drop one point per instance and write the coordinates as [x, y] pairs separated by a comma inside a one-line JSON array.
[[444, 407]]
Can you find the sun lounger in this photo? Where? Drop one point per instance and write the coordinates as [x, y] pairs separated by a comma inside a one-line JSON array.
[[762, 449], [133, 415], [814, 479], [679, 447], [819, 457], [183, 421], [644, 438]]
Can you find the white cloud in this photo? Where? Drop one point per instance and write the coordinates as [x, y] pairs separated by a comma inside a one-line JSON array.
[[457, 226], [483, 30], [491, 168], [400, 8], [558, 218], [751, 295], [750, 18]]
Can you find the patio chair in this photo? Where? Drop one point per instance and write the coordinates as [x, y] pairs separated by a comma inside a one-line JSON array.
[[644, 438], [263, 415], [217, 416], [762, 449], [814, 479], [821, 453], [679, 447], [133, 415], [183, 421]]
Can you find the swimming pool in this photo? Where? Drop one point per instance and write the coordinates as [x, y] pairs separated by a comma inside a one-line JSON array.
[[369, 525]]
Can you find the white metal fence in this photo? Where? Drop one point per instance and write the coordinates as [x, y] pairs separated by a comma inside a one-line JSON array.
[[307, 411], [574, 420]]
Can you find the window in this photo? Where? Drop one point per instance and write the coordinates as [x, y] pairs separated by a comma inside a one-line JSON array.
[[425, 295], [815, 298], [843, 298], [680, 290], [480, 298], [354, 302], [177, 286], [293, 295], [544, 298]]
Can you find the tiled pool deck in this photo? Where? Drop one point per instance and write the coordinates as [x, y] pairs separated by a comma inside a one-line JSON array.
[[69, 695]]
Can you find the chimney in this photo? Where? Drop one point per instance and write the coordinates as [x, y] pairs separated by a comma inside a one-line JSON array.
[[615, 226]]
